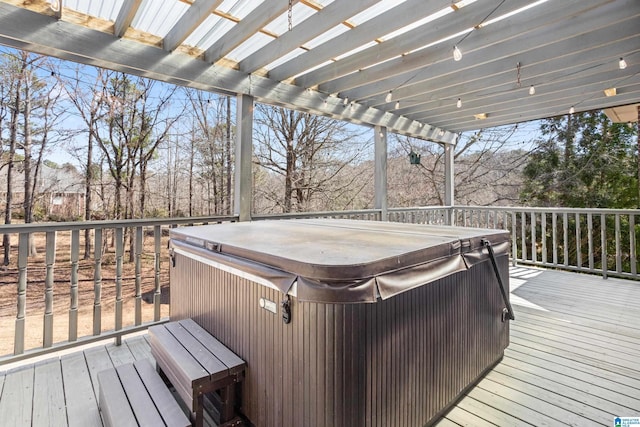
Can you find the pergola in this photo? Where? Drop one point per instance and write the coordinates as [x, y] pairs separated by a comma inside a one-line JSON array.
[[428, 69]]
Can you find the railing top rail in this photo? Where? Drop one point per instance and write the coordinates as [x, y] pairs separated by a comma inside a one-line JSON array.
[[317, 214], [82, 225], [519, 209]]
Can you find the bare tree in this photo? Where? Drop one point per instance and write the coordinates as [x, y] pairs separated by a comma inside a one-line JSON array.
[[487, 170], [89, 104], [308, 152], [15, 75]]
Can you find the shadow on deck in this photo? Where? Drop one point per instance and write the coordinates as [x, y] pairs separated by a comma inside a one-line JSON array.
[[573, 360]]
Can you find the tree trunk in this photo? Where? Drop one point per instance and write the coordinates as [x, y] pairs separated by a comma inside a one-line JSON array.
[[28, 195], [88, 179], [192, 154], [13, 137], [228, 149]]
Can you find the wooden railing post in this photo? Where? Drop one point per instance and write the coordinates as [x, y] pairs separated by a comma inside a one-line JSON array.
[[23, 255], [119, 255], [73, 308], [97, 283], [50, 258], [138, 296], [157, 236]]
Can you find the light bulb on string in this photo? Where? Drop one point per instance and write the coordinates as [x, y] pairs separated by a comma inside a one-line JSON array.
[[388, 97], [397, 105], [459, 103], [572, 110], [532, 90], [622, 64], [457, 53], [345, 102]]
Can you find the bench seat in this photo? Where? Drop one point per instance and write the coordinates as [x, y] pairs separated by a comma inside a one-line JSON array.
[[196, 364]]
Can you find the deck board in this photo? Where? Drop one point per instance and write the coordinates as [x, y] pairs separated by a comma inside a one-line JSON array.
[[79, 390], [16, 402], [572, 360], [49, 407]]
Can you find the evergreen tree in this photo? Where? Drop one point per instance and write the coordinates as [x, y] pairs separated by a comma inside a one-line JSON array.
[[584, 161]]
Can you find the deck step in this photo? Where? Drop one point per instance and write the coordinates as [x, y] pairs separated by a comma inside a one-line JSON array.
[[133, 394]]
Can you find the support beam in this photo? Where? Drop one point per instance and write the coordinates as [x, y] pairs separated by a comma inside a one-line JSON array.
[[449, 187], [193, 17], [380, 175], [125, 16], [244, 150], [24, 29]]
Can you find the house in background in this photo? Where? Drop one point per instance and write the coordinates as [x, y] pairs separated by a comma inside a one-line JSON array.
[[59, 193]]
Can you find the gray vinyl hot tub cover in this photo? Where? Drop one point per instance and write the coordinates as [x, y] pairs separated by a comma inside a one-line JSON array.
[[341, 261]]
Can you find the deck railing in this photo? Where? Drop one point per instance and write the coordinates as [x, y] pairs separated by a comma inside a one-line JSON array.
[[124, 273], [49, 283], [600, 241]]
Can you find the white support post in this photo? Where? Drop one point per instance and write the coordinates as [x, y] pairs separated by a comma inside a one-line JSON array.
[[381, 171], [244, 152], [449, 188]]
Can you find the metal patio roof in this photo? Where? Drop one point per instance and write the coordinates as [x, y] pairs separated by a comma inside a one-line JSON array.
[[376, 62]]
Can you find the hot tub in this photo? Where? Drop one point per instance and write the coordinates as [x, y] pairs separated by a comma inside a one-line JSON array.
[[345, 322]]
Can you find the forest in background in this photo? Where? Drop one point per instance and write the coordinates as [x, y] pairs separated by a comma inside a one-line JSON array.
[[138, 148]]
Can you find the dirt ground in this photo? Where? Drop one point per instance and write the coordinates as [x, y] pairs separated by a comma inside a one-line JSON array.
[[35, 308]]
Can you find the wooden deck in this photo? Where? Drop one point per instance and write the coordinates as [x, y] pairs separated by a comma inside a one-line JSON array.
[[574, 359]]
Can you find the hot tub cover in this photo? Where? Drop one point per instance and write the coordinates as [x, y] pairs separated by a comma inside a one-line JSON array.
[[340, 261]]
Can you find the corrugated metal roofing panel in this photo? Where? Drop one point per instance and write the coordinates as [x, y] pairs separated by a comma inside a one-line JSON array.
[[106, 10], [157, 17], [239, 8], [374, 11], [326, 36], [253, 44], [210, 30]]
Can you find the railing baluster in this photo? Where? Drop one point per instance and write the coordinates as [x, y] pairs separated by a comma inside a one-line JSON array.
[[119, 231], [523, 234], [565, 238], [73, 308], [554, 237], [23, 255], [534, 252], [514, 239], [578, 242], [138, 297], [97, 282], [50, 259], [617, 237], [543, 235], [603, 242], [590, 240], [632, 244], [157, 236]]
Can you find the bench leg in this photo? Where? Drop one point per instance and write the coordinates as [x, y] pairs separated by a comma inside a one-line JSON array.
[[199, 415], [228, 397]]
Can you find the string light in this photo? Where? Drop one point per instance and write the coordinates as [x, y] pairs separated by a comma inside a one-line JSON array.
[[457, 53], [572, 110], [353, 107], [532, 90], [622, 64], [459, 103], [397, 105], [345, 101], [388, 97]]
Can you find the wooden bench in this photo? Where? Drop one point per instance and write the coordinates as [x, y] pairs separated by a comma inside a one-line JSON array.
[[134, 395], [200, 368]]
